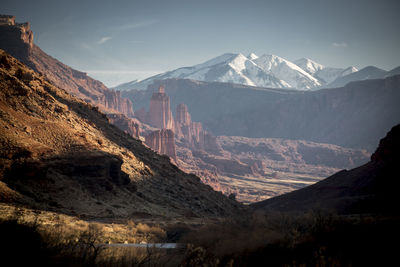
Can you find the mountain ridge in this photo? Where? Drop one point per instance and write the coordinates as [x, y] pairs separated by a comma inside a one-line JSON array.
[[261, 71]]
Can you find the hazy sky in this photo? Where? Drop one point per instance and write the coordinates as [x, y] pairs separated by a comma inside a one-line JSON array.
[[124, 40]]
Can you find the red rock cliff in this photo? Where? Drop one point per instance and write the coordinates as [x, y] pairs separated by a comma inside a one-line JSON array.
[[182, 115], [160, 114], [191, 133], [163, 142]]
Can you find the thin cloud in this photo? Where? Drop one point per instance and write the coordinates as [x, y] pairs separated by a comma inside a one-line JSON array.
[[137, 25], [104, 39], [83, 46], [342, 44]]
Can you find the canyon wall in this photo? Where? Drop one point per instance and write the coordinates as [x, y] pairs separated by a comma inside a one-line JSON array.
[[355, 116]]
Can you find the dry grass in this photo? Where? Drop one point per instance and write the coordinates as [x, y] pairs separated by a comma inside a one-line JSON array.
[[70, 241], [69, 226], [284, 239]]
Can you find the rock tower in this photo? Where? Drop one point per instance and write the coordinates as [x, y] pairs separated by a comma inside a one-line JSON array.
[[160, 114]]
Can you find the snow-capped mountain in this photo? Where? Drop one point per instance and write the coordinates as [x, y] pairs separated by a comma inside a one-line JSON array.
[[366, 73], [308, 65], [264, 71], [325, 75], [287, 71]]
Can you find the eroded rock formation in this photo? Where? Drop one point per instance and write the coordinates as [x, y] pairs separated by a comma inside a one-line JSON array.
[[191, 133], [160, 114], [163, 142], [16, 37], [124, 123]]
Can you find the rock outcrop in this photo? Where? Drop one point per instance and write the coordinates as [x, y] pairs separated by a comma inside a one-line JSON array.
[[17, 40], [182, 115], [192, 133], [163, 142], [126, 124]]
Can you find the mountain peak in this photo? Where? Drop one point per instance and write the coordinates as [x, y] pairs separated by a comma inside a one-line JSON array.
[[309, 65], [268, 70], [252, 56]]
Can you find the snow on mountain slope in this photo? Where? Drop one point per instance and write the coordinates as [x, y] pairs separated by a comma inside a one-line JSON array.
[[252, 56], [366, 73], [308, 65], [325, 75], [287, 71], [265, 71], [232, 68]]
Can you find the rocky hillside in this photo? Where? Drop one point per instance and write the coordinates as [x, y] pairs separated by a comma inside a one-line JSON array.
[[17, 40], [371, 188], [356, 115], [60, 153]]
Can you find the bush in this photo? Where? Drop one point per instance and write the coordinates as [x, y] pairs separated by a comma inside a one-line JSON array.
[[312, 239]]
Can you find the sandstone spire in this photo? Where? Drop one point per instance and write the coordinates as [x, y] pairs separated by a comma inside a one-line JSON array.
[[182, 115], [160, 114]]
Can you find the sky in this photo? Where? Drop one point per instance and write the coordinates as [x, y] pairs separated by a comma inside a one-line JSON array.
[[119, 41]]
